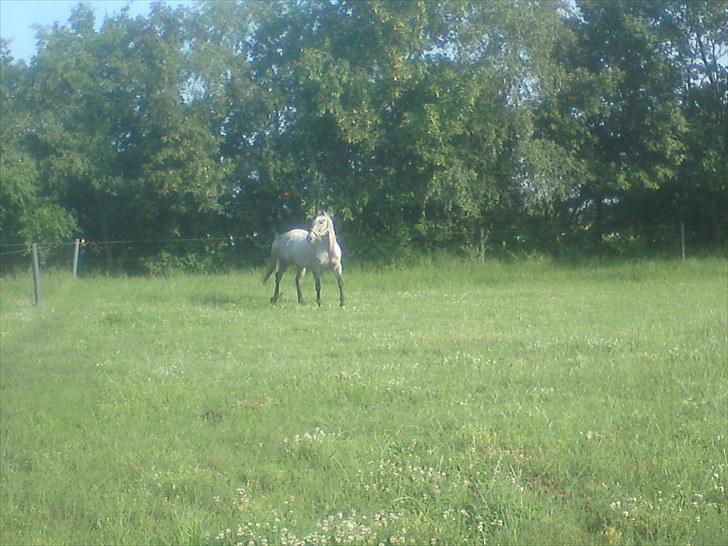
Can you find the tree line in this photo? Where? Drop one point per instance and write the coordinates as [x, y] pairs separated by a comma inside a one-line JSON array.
[[562, 125]]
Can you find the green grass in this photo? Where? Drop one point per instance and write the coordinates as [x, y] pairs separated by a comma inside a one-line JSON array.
[[526, 403]]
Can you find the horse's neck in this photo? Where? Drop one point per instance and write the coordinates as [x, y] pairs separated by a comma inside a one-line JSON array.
[[332, 238]]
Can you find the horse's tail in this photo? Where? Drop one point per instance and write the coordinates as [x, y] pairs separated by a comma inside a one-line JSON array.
[[269, 270], [272, 262]]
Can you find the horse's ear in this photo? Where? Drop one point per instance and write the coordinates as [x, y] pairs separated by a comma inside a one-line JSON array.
[[323, 211]]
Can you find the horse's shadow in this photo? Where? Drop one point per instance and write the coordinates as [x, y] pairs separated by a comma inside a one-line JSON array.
[[223, 300]]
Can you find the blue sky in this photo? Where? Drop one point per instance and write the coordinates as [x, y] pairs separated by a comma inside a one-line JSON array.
[[18, 17]]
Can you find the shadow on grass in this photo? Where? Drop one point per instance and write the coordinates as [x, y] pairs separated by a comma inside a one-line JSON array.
[[226, 300]]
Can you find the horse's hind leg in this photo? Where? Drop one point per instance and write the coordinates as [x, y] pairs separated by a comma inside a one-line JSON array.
[[299, 278], [279, 275], [339, 274]]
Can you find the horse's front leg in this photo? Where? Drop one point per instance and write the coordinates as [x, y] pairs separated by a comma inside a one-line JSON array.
[[338, 272], [317, 279], [299, 278]]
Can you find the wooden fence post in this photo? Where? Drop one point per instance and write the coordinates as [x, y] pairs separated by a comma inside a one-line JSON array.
[[37, 289], [76, 251], [483, 241]]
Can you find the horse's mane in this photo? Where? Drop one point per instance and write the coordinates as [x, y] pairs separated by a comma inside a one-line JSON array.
[[332, 235]]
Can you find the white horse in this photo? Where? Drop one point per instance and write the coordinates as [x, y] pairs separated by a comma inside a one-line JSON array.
[[315, 249]]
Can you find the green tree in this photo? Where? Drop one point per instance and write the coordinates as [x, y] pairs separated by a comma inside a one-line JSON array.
[[619, 112], [244, 108], [30, 209], [396, 112], [117, 135], [696, 30]]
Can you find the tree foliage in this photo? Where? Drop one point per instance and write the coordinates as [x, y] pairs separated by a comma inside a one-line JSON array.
[[418, 122]]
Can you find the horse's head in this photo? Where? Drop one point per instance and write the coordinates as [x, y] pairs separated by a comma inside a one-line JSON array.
[[320, 227]]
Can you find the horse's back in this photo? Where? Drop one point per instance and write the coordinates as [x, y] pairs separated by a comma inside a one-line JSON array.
[[292, 237], [292, 246]]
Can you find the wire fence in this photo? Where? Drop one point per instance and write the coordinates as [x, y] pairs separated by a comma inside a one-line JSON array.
[[210, 254], [132, 256]]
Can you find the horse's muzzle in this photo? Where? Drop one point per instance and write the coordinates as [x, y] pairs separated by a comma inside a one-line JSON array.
[[311, 237]]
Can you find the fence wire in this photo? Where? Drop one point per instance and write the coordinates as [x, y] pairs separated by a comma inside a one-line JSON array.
[[209, 254]]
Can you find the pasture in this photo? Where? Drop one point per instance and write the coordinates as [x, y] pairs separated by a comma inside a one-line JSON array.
[[523, 403]]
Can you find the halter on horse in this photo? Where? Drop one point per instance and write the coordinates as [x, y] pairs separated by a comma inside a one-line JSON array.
[[315, 249]]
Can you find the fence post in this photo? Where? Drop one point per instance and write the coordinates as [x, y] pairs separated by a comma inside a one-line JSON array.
[[682, 240], [76, 251], [37, 290], [483, 242]]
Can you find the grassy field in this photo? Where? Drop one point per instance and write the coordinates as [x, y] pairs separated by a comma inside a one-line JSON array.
[[527, 403]]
